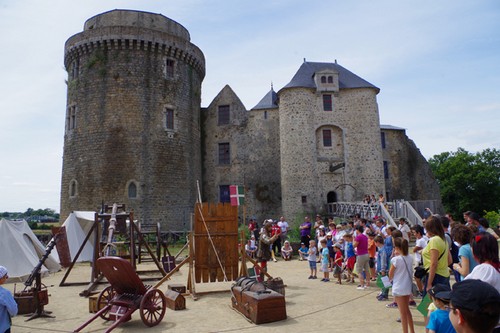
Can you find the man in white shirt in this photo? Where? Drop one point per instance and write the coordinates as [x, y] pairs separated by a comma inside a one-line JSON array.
[[404, 228], [283, 224]]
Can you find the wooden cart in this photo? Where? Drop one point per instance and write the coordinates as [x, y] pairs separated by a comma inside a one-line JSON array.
[[126, 294]]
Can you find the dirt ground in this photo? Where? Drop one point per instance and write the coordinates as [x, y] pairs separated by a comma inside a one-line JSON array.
[[311, 305]]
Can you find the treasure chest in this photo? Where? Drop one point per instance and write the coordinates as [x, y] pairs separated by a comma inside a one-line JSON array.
[[175, 300], [262, 306], [26, 302]]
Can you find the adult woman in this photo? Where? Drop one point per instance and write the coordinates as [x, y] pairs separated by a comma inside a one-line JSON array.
[[264, 251], [462, 235], [485, 250], [436, 255]]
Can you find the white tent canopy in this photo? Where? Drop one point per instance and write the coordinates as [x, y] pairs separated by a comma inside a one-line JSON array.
[[78, 225], [21, 251]]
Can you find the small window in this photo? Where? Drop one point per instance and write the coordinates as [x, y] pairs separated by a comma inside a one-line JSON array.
[[169, 68], [265, 114], [132, 190], [327, 138], [73, 189], [327, 102], [71, 118], [224, 193], [386, 170], [323, 79], [169, 119], [382, 138], [304, 199], [75, 69], [223, 115], [224, 156], [330, 79]]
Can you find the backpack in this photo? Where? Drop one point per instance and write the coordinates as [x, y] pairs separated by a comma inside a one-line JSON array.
[[453, 250]]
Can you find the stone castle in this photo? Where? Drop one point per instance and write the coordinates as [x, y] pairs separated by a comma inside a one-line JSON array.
[[136, 132]]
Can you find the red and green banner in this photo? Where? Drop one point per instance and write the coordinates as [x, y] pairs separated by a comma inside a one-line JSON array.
[[237, 195]]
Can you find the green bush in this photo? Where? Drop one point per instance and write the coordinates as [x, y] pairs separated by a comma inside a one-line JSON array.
[[493, 218]]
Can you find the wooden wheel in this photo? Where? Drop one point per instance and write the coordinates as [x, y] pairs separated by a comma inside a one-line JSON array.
[[104, 299], [152, 307]]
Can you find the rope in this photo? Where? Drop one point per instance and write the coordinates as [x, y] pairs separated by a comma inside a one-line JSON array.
[[208, 232]]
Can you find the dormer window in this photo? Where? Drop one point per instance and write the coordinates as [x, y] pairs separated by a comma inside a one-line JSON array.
[[327, 80]]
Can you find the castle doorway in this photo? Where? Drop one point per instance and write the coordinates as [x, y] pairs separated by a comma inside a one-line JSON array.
[[331, 197]]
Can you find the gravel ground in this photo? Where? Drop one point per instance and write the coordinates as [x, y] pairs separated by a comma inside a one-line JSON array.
[[311, 305]]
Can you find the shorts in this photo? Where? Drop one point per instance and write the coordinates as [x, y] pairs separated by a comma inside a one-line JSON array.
[[371, 262], [350, 262], [324, 267], [312, 264]]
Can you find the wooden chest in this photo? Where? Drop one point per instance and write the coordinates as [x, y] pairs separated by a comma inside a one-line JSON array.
[[260, 307], [175, 300]]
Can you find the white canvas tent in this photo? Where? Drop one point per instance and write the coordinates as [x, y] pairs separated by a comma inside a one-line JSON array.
[[20, 251], [78, 225]]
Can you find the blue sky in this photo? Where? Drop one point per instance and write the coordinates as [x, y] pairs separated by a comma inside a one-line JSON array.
[[437, 64]]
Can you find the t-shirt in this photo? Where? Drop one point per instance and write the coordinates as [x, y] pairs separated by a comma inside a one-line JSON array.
[[307, 230], [405, 230], [325, 256], [312, 254], [8, 307], [439, 322], [421, 243], [362, 247], [486, 273], [349, 250], [338, 258], [465, 251], [402, 281], [437, 243], [284, 226]]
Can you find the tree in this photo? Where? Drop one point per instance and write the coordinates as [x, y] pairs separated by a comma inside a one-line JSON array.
[[468, 181]]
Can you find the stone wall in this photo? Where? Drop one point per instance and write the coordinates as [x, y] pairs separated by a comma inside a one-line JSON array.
[[410, 176], [119, 86], [254, 155], [305, 163]]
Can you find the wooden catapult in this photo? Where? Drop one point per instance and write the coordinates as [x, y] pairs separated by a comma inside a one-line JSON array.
[[112, 219]]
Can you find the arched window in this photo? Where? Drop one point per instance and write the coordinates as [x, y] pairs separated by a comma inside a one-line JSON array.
[[323, 79], [132, 190]]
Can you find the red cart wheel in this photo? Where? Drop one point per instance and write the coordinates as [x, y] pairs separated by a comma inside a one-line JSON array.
[[152, 307], [104, 299]]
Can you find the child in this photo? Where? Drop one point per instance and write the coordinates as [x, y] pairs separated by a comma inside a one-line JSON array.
[[311, 257], [337, 263], [401, 277], [383, 259], [321, 236], [439, 320], [329, 245], [325, 260], [250, 248], [303, 252], [350, 255], [372, 251], [286, 251], [8, 306]]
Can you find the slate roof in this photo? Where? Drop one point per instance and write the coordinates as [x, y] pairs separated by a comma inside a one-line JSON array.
[[268, 102], [304, 76]]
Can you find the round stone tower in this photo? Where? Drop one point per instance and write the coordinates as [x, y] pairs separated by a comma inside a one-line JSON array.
[[132, 131]]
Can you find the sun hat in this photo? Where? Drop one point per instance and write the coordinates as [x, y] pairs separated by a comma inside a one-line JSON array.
[[3, 271]]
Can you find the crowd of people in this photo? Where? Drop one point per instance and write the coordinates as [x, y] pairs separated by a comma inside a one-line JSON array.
[[370, 250]]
